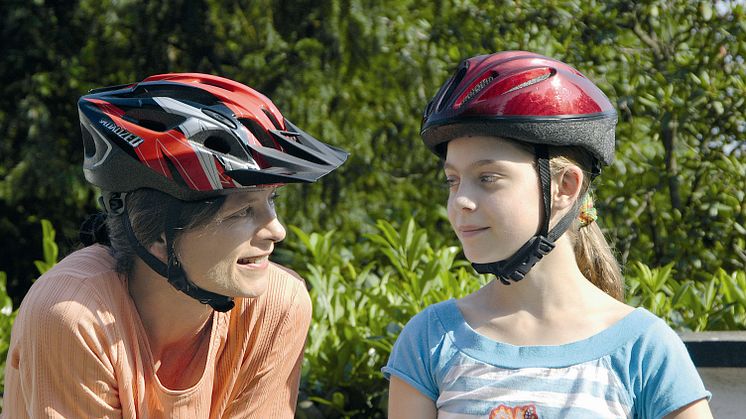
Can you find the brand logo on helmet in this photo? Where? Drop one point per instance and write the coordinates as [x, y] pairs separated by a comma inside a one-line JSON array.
[[122, 133]]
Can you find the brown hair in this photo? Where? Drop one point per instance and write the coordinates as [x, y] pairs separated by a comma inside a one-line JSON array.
[[593, 254], [147, 211]]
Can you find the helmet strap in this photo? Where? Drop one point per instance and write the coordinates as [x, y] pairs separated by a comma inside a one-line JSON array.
[[517, 266], [173, 272]]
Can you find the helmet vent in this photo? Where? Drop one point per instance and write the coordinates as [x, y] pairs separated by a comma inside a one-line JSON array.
[[479, 87], [153, 119], [451, 87], [272, 118], [258, 132], [533, 81], [217, 144], [89, 146]]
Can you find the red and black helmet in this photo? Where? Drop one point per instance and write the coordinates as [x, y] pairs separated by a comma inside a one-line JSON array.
[[523, 96], [529, 98], [192, 136]]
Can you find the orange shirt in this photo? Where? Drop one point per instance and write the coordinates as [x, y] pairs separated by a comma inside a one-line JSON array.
[[78, 350]]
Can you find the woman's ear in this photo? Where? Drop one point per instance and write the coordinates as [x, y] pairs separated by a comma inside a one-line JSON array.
[[569, 184], [158, 248]]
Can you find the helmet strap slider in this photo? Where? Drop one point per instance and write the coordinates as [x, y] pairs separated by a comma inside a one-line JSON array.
[[112, 202]]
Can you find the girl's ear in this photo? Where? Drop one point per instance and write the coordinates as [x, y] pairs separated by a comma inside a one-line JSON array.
[[567, 191], [158, 248]]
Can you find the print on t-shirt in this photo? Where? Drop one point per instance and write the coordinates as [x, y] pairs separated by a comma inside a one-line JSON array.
[[518, 412]]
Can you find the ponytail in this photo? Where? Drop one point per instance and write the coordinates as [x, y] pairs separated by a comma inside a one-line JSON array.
[[94, 230], [594, 256], [596, 260]]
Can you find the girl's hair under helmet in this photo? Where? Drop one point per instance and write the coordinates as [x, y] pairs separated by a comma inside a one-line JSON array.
[[533, 99], [192, 136]]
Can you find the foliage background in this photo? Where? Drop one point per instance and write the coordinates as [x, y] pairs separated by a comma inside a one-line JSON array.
[[357, 74]]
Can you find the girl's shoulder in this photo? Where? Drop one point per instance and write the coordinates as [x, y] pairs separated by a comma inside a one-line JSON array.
[[437, 318]]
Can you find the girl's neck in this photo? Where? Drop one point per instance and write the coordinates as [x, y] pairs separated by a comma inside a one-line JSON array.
[[553, 304]]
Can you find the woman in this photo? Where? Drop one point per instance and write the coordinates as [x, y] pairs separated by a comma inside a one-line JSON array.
[[188, 165], [522, 136]]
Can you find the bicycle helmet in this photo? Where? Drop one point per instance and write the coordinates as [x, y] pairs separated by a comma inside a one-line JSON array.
[[192, 136], [529, 98]]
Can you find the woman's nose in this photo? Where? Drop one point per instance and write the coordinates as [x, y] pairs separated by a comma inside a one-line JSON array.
[[274, 230]]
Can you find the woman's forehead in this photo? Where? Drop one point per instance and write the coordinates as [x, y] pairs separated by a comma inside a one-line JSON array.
[[239, 199]]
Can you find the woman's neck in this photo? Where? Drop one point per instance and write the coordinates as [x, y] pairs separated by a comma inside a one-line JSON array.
[[170, 317]]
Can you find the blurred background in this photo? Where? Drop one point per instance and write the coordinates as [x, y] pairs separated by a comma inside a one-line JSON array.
[[372, 238]]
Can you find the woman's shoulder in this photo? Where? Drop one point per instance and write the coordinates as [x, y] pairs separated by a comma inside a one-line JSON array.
[[78, 286], [78, 295], [81, 277]]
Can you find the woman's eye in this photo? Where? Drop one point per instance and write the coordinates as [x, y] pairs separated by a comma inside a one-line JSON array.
[[488, 178], [272, 198], [246, 212], [451, 181]]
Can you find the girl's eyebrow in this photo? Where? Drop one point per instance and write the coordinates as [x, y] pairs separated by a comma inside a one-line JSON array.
[[478, 163]]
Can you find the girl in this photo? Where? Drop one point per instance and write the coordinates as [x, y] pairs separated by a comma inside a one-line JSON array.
[[176, 310], [522, 136]]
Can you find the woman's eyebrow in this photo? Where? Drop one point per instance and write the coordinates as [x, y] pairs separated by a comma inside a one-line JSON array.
[[243, 204]]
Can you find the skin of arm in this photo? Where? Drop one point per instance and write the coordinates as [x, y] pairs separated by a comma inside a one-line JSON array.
[[406, 402], [696, 410]]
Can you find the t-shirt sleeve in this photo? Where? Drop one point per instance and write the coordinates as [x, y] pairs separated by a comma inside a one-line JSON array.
[[410, 359], [59, 363], [669, 378]]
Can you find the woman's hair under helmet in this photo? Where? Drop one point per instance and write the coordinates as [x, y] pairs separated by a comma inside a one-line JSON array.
[[192, 136]]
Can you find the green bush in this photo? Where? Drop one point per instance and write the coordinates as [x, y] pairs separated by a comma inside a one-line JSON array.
[[364, 292], [363, 295]]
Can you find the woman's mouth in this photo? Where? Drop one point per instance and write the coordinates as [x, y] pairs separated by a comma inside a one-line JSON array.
[[254, 262]]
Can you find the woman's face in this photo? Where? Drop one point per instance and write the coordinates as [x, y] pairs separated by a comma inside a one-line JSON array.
[[494, 203], [229, 256]]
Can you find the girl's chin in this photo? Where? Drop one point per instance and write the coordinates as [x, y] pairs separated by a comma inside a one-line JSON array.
[[483, 258]]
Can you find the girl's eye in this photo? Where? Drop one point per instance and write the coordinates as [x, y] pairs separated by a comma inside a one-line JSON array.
[[488, 178], [272, 198], [451, 181]]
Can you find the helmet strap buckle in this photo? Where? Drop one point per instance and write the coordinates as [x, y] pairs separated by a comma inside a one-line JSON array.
[[517, 266]]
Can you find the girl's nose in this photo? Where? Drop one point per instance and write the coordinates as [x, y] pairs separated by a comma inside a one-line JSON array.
[[465, 203]]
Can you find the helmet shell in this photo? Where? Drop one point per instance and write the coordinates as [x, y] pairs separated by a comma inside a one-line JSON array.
[[193, 136], [522, 96]]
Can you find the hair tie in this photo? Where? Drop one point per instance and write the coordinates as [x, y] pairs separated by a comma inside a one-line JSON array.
[[587, 211], [93, 230]]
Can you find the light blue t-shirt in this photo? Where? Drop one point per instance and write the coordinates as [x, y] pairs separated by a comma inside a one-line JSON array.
[[637, 368]]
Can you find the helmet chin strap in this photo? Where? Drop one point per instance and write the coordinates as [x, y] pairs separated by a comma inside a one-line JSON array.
[[174, 272], [517, 266]]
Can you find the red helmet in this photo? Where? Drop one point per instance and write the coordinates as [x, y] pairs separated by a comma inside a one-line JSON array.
[[523, 96], [194, 135], [530, 98]]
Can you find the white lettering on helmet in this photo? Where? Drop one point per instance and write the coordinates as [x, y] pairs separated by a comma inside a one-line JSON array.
[[122, 133]]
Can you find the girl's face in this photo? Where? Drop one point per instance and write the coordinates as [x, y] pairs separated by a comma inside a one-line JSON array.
[[229, 256], [494, 203]]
